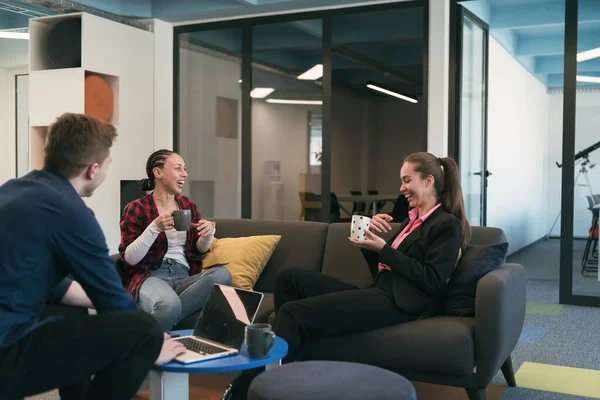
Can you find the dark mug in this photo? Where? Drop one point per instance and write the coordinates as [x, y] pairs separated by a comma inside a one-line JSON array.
[[182, 219], [259, 340]]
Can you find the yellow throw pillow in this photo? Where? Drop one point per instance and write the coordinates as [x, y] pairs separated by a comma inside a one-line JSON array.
[[246, 257]]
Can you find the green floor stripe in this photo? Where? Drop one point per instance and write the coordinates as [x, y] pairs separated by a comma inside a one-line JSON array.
[[543, 308]]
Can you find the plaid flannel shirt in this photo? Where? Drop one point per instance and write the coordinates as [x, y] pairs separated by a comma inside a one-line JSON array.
[[136, 217]]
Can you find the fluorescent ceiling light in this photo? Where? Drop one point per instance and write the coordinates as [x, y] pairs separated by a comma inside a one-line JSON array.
[[590, 79], [14, 35], [306, 102], [389, 92], [312, 74], [261, 92], [588, 55]]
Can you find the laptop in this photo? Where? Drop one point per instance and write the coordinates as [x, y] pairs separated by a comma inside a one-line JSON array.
[[220, 329]]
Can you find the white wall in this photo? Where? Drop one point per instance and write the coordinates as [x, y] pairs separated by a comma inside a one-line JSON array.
[[438, 74], [14, 53], [208, 157], [127, 53], [279, 133], [8, 123], [163, 85], [587, 133], [517, 150]]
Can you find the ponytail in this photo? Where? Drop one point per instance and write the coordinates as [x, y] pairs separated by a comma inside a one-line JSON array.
[[147, 184], [452, 197]]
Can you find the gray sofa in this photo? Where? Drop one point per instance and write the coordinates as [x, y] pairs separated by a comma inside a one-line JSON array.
[[446, 350], [464, 352]]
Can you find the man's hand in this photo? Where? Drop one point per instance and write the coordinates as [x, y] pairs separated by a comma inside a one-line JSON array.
[[164, 222], [170, 349], [372, 242], [204, 227], [381, 223]]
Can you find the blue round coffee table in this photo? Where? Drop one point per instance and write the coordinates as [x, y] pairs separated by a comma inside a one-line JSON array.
[[171, 381]]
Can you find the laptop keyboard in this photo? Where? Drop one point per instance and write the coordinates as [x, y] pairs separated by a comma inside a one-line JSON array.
[[201, 347]]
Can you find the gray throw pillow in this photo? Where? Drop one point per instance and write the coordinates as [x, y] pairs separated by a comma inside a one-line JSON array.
[[459, 295]]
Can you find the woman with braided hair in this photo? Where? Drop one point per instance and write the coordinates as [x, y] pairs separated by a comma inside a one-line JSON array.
[[163, 267]]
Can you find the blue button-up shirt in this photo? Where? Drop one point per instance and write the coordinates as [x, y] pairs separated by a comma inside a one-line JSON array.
[[46, 233]]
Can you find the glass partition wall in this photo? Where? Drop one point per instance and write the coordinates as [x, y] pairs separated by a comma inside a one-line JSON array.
[[275, 118], [209, 120], [586, 155], [287, 97]]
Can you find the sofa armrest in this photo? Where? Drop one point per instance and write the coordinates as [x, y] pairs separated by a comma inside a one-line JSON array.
[[499, 317]]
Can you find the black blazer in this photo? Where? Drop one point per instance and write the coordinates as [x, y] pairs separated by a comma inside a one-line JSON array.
[[422, 263]]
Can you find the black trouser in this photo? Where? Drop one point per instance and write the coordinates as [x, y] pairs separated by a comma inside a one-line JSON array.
[[117, 348], [310, 305]]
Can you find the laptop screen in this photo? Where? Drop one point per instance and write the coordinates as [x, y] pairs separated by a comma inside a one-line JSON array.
[[225, 315]]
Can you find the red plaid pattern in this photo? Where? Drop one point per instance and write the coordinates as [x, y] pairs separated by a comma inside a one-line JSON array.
[[136, 217]]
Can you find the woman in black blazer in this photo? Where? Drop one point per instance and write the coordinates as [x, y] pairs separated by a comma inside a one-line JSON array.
[[409, 271]]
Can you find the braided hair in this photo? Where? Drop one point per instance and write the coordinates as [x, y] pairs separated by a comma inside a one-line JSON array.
[[156, 159]]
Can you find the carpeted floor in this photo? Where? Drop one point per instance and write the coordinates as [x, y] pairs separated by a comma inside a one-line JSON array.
[[542, 261], [554, 334]]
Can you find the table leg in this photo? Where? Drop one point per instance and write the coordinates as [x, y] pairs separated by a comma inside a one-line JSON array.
[[169, 386], [273, 365]]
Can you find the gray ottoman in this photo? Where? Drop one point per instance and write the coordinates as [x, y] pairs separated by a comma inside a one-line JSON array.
[[330, 380]]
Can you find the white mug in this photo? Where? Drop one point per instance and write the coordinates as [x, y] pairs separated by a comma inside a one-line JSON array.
[[360, 224]]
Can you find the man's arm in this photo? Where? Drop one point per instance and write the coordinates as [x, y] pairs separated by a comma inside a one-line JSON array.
[[79, 244], [76, 296]]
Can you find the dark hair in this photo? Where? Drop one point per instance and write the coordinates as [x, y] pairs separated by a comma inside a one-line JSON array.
[[447, 186], [156, 159], [76, 141]]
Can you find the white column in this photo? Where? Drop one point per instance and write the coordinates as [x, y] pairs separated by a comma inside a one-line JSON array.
[[438, 77], [163, 85], [169, 386], [8, 123]]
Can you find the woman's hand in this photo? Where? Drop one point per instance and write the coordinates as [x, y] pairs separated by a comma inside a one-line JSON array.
[[381, 223], [170, 349], [164, 222], [372, 242], [203, 227]]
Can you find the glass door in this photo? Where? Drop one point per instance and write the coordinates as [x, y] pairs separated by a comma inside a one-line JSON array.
[[472, 113]]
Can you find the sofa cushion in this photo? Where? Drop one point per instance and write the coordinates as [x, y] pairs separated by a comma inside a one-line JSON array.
[[246, 257], [459, 295], [486, 235], [343, 260], [440, 345], [301, 244]]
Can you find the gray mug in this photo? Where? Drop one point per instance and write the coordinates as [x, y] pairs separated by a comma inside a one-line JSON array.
[[182, 219], [259, 340]]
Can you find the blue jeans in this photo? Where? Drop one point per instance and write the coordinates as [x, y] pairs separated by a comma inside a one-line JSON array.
[[170, 294]]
